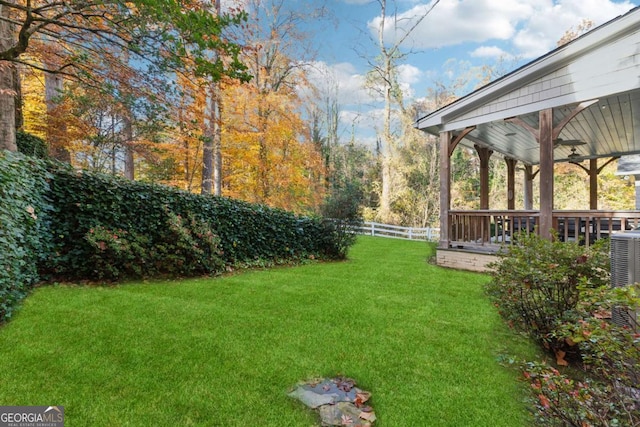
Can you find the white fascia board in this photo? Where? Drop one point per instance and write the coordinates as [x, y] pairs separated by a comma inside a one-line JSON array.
[[530, 72], [512, 112]]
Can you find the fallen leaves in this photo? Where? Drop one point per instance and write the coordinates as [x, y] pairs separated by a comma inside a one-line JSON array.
[[560, 358]]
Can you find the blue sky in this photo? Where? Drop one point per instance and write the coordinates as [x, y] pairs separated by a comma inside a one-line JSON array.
[[468, 32], [456, 35]]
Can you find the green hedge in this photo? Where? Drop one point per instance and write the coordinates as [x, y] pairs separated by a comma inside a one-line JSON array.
[[31, 145], [157, 227], [57, 223], [24, 229]]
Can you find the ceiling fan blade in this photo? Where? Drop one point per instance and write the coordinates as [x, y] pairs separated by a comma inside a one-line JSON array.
[[568, 142]]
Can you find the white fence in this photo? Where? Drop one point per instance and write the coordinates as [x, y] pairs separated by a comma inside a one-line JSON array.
[[395, 231]]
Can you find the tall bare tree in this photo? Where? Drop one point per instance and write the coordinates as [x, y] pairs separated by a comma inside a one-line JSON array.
[[54, 88], [278, 52], [324, 110], [212, 146], [384, 78]]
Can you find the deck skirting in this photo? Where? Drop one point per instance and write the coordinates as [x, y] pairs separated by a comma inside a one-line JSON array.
[[464, 259]]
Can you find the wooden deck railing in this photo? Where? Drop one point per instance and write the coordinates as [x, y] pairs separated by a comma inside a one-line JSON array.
[[489, 229]]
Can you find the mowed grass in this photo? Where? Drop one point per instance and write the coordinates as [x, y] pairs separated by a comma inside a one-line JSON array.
[[225, 351]]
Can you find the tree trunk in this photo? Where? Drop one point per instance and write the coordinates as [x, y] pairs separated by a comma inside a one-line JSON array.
[[208, 145], [7, 92], [17, 87], [127, 134], [384, 212], [263, 173], [207, 166], [127, 131], [211, 154], [56, 128], [7, 108], [216, 118], [387, 74]]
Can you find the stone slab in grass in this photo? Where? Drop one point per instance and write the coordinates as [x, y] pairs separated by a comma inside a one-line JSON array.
[[338, 401]]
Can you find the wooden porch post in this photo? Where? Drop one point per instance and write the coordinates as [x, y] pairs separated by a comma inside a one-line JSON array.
[[593, 184], [546, 172], [511, 184], [484, 154], [445, 188], [637, 184], [528, 187], [593, 171]]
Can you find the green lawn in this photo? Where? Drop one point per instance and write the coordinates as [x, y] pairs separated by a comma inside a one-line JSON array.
[[225, 351]]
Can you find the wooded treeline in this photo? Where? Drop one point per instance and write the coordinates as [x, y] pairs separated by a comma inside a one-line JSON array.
[[215, 99]]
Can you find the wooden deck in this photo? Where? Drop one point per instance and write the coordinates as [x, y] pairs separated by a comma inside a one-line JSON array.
[[489, 229], [474, 236]]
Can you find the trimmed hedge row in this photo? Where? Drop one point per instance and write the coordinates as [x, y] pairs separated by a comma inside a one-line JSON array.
[[31, 145], [24, 230], [158, 226], [57, 223]]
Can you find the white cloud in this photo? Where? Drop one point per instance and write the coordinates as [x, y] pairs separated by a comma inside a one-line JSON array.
[[360, 110], [547, 25], [353, 117], [340, 78], [532, 26], [455, 21], [365, 124], [371, 119], [488, 52], [409, 74]]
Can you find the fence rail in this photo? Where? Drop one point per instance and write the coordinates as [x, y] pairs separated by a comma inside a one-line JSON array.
[[398, 232]]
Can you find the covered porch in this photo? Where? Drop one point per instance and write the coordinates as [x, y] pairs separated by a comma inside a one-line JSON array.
[[580, 103]]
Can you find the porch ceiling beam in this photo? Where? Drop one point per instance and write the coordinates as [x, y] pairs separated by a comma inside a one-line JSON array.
[[454, 143], [593, 171], [518, 121], [534, 174], [607, 163], [583, 105], [556, 129], [598, 170]]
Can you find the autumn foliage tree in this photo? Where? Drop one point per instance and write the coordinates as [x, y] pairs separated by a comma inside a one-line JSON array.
[[268, 153], [176, 157], [134, 87], [93, 41]]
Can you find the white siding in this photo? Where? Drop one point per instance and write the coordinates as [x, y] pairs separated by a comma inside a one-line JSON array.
[[610, 68]]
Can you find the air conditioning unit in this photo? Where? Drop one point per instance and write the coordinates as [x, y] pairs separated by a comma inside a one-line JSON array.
[[625, 270]]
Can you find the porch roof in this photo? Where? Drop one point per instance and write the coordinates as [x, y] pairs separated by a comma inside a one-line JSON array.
[[598, 72]]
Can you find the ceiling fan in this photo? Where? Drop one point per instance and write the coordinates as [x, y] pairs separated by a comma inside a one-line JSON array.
[[568, 143], [574, 155]]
